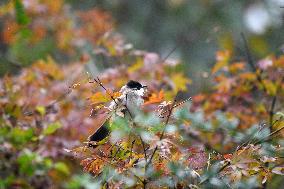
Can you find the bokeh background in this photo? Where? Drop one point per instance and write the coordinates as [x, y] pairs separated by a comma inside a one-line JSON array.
[[49, 47], [196, 29]]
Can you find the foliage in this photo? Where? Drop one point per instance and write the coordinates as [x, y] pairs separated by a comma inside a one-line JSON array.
[[228, 137], [214, 143]]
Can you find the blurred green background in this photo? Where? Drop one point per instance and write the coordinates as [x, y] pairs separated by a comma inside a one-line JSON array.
[[198, 29]]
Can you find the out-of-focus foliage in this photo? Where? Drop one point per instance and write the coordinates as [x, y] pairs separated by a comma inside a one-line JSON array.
[[41, 114], [196, 27], [32, 30], [228, 137]]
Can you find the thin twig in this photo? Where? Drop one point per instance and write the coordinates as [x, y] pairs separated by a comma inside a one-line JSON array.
[[98, 81], [252, 64], [161, 137], [132, 144], [271, 112], [250, 138], [169, 54], [273, 103], [176, 105], [206, 144], [219, 171], [144, 148], [267, 138]]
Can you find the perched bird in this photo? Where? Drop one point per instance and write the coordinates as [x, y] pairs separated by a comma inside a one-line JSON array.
[[127, 104]]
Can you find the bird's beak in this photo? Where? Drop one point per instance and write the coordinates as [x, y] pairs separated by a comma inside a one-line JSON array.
[[144, 86]]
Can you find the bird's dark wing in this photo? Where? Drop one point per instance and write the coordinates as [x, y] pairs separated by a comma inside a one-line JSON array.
[[102, 132]]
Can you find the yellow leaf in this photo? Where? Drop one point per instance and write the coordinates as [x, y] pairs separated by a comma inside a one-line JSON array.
[[180, 82], [49, 67], [136, 66], [222, 58], [270, 86], [99, 97]]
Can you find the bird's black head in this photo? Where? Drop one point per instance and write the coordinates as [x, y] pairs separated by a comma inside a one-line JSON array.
[[134, 85]]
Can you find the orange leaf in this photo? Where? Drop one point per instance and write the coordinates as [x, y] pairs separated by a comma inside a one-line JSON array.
[[233, 68], [114, 94], [155, 98], [248, 76], [228, 156], [199, 98]]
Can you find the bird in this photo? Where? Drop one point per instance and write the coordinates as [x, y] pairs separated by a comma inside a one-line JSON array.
[[126, 105]]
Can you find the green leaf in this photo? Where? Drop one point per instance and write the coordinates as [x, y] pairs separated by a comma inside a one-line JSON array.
[[50, 129], [7, 182], [21, 15], [62, 167], [21, 136], [26, 163]]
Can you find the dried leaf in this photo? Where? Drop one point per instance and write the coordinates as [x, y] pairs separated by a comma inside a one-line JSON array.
[[278, 170]]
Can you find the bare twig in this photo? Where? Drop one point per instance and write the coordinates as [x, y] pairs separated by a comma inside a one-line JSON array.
[[273, 103], [219, 171], [176, 105], [267, 138], [144, 148], [98, 81], [169, 54], [252, 64], [132, 144], [271, 112], [161, 137], [206, 144]]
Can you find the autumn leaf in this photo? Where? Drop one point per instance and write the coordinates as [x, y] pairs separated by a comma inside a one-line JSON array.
[[228, 156], [100, 97], [222, 58], [155, 98], [248, 76], [199, 98], [278, 170], [270, 86], [135, 67], [180, 82], [234, 68]]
